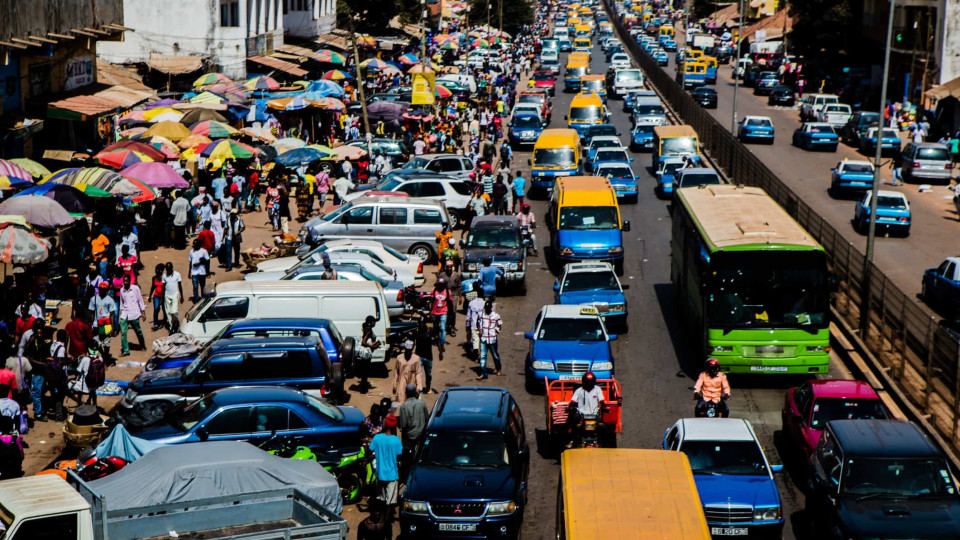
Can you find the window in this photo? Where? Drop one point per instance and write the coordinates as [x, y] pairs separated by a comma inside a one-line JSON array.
[[432, 189], [411, 188], [423, 216], [288, 364], [226, 367], [361, 215], [230, 422], [393, 216], [830, 459], [461, 188], [48, 528], [272, 418], [229, 12], [227, 309]]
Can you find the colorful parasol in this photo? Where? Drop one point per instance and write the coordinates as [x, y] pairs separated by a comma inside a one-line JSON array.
[[211, 78], [299, 156], [38, 211], [168, 148], [122, 158], [441, 91], [287, 144], [374, 63], [97, 177], [156, 175], [325, 150], [480, 44], [15, 172], [262, 82], [347, 151], [330, 57], [12, 183], [36, 169], [133, 117], [199, 115], [259, 133], [207, 97], [444, 38], [194, 140], [335, 75], [288, 104], [366, 41], [19, 245], [409, 59], [139, 145], [127, 133], [175, 131], [330, 104], [213, 129], [449, 46], [162, 114], [227, 149], [70, 198]]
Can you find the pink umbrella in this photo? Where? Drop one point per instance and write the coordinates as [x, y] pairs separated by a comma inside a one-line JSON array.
[[156, 175]]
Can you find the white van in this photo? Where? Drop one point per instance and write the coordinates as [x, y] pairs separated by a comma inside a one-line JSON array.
[[467, 81], [346, 303]]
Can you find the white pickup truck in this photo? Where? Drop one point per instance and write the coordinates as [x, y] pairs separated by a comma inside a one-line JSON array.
[[811, 104], [835, 114]]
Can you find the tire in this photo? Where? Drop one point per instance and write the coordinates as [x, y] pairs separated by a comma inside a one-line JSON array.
[[336, 381], [422, 252], [618, 267], [455, 221], [351, 487], [923, 292], [346, 353]]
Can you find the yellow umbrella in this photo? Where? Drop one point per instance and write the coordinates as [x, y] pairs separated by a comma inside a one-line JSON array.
[[175, 131], [194, 140], [151, 114]]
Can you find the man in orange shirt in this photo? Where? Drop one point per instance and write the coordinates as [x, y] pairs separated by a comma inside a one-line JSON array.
[[712, 386]]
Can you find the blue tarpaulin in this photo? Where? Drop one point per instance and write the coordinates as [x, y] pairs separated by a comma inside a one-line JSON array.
[[120, 443]]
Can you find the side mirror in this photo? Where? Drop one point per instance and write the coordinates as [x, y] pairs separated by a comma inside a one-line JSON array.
[[564, 117], [625, 226], [523, 454], [528, 335], [612, 337], [203, 434], [776, 468], [530, 162], [556, 285]]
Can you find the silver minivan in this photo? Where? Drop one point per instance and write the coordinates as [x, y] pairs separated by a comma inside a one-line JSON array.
[[453, 165], [406, 224], [926, 161]]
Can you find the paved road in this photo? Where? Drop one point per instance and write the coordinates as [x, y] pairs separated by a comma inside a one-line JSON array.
[[648, 358], [935, 225]]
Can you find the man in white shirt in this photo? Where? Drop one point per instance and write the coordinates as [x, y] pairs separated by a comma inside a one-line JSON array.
[[172, 296]]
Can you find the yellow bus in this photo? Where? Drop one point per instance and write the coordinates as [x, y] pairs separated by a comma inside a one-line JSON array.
[[666, 31], [674, 141], [582, 44], [586, 109], [628, 493], [556, 153]]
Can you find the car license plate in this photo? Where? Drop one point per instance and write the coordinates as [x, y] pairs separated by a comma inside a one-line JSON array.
[[782, 369], [769, 349], [570, 377], [729, 531], [460, 527]]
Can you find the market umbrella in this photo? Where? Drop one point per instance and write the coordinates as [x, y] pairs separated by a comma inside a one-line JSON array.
[[298, 156], [335, 75], [227, 149], [162, 114], [38, 211], [168, 148], [420, 68], [480, 44], [266, 152], [366, 41], [138, 145], [200, 115], [262, 82], [128, 133], [94, 176], [156, 175], [165, 102], [207, 97], [330, 57], [211, 78], [287, 144], [259, 133], [175, 131], [194, 140], [36, 169], [122, 158], [213, 129], [288, 104], [325, 150], [14, 171], [70, 198], [374, 63], [330, 104], [19, 245], [134, 190], [409, 59], [449, 46], [388, 111], [443, 38], [346, 151], [12, 183], [133, 117], [441, 91]]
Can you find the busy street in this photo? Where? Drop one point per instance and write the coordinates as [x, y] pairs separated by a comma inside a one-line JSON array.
[[475, 270]]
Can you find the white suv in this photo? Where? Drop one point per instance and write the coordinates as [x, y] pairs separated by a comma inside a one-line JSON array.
[[454, 193]]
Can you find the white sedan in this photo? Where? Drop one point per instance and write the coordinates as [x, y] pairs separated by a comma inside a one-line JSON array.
[[409, 269], [620, 60]]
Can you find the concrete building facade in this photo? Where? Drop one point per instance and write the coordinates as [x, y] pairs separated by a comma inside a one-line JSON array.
[[309, 18]]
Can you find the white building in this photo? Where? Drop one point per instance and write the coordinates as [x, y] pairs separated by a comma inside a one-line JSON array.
[[225, 32], [309, 18]]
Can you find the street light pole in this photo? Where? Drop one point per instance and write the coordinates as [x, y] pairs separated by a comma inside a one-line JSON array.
[[872, 226], [736, 66]]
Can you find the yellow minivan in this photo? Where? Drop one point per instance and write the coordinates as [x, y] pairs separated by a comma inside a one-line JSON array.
[[582, 44], [595, 83], [582, 30], [571, 75], [556, 153], [586, 109], [584, 221]]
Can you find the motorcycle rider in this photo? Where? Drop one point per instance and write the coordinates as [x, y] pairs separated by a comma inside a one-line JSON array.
[[712, 386], [585, 404], [526, 218]]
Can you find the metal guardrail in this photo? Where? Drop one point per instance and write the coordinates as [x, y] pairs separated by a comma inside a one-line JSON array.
[[903, 340]]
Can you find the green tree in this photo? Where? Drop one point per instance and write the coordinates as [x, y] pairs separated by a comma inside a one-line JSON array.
[[516, 13]]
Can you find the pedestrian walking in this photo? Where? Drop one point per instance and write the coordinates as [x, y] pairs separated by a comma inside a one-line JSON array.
[[132, 311], [199, 259], [387, 449], [104, 308], [408, 371], [489, 325], [156, 296]]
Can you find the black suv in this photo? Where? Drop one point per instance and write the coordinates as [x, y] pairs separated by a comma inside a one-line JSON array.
[[469, 478], [497, 238], [881, 479]]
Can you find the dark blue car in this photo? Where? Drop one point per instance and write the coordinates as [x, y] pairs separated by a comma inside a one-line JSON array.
[[254, 414], [524, 129], [641, 138], [621, 178]]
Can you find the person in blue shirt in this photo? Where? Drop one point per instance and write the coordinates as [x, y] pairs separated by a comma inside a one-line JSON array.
[[218, 184], [387, 448], [488, 277], [519, 188]]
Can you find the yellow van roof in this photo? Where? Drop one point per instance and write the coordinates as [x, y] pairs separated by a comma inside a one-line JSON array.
[[586, 191], [669, 132], [585, 100], [576, 63], [558, 137], [593, 77]]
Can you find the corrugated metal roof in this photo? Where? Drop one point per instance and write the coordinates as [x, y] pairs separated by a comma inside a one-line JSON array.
[[278, 64], [333, 41], [296, 50], [113, 98], [113, 74], [175, 65]]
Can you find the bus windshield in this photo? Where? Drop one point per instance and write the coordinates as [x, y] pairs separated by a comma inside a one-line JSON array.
[[576, 71], [595, 85], [768, 289], [678, 146], [554, 157], [583, 218], [585, 114]]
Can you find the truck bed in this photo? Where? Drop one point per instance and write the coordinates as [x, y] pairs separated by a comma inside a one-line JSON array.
[[233, 532]]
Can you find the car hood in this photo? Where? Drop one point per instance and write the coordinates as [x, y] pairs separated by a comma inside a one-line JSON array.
[[265, 275], [901, 518], [589, 239], [589, 297], [496, 254], [277, 265], [594, 351], [749, 490], [439, 483], [156, 377]]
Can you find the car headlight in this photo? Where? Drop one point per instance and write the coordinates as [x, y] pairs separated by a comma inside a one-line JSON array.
[[720, 348], [501, 508], [766, 514], [617, 307], [130, 395], [512, 266], [471, 267], [615, 249], [150, 366], [541, 364], [415, 507], [566, 251], [602, 366]]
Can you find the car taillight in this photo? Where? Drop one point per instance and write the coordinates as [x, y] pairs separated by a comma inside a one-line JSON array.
[[400, 295], [420, 268], [948, 166], [903, 219], [324, 391], [916, 164]]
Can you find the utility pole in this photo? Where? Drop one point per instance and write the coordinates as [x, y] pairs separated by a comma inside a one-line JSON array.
[[872, 229], [500, 13], [363, 99], [736, 67]]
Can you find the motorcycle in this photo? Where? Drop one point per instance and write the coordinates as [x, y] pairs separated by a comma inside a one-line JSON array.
[[354, 471], [416, 301], [710, 409], [88, 466], [527, 240]]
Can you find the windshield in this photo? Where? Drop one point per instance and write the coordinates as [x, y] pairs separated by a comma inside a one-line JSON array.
[[820, 129], [528, 121], [628, 75], [590, 112], [189, 416], [670, 168], [768, 289], [590, 281], [858, 168], [887, 201], [596, 131], [586, 329], [827, 409], [324, 408], [543, 76], [616, 154], [756, 122], [903, 477], [737, 458], [576, 71], [694, 179], [596, 143], [459, 449], [678, 146], [389, 185], [649, 110], [416, 163], [616, 172], [585, 218], [197, 309], [553, 157], [494, 237], [596, 85], [536, 99], [938, 154]]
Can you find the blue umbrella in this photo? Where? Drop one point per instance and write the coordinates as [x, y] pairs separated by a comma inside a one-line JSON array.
[[70, 198], [298, 156]]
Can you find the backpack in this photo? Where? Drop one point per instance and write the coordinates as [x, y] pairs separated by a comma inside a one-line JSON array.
[[96, 373]]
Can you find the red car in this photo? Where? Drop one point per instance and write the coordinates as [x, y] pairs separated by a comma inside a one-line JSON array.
[[544, 79], [808, 407]]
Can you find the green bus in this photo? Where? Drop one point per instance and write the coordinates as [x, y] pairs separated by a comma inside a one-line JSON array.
[[750, 283]]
